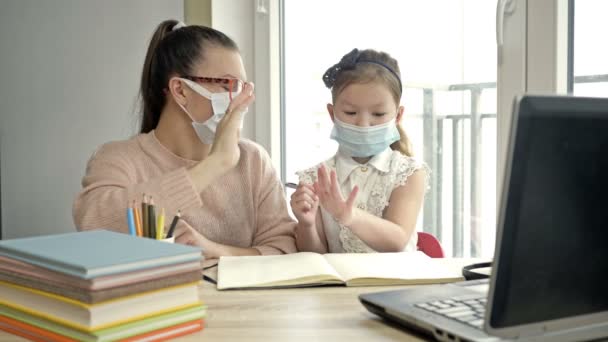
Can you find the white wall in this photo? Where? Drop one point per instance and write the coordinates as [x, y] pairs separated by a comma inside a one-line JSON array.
[[254, 27], [69, 72], [235, 18]]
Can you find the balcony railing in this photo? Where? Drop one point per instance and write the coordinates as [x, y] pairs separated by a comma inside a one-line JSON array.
[[433, 150]]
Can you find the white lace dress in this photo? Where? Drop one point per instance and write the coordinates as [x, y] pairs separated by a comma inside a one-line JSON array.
[[376, 180]]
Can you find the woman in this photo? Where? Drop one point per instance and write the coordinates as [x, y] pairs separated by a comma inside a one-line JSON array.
[[188, 156]]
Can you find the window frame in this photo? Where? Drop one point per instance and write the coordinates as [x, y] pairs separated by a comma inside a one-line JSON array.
[[534, 58]]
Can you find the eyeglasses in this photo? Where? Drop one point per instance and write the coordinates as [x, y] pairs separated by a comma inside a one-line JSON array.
[[232, 85]]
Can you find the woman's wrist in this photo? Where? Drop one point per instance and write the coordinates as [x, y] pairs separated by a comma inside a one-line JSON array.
[[211, 249], [206, 171]]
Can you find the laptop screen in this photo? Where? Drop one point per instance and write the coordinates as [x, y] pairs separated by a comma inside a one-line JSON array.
[[554, 250]]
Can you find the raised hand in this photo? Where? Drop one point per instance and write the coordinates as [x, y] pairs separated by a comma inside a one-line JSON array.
[[331, 199], [225, 145]]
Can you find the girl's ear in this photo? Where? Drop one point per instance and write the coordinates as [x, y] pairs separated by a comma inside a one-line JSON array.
[[399, 114], [178, 90], [330, 110]]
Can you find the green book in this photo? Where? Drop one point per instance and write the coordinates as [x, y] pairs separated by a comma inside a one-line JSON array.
[[109, 334]]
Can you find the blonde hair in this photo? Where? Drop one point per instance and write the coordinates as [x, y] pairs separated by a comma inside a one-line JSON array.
[[364, 67]]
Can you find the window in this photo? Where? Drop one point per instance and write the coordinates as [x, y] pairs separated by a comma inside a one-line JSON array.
[[447, 55], [590, 55]]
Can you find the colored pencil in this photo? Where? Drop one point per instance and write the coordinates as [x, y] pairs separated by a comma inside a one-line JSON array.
[[137, 220], [145, 216], [173, 224], [152, 219], [131, 221], [160, 226]]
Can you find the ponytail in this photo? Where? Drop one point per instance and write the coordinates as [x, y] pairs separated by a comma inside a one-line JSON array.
[[403, 145], [152, 101], [173, 49]]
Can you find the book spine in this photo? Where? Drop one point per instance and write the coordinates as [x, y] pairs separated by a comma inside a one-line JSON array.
[[141, 265], [46, 263], [169, 333]]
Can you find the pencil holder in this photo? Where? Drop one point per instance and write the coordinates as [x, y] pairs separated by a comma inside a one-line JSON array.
[[169, 240]]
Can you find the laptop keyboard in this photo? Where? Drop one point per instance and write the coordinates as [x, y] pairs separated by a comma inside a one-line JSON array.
[[469, 311]]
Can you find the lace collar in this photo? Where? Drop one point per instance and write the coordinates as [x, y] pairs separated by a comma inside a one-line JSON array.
[[345, 165]]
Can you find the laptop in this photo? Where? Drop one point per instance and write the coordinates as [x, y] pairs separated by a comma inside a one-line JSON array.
[[549, 281]]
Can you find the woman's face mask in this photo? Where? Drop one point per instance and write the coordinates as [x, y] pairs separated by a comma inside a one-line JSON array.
[[368, 141], [219, 102]]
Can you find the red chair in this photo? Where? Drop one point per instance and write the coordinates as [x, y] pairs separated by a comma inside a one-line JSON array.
[[429, 245]]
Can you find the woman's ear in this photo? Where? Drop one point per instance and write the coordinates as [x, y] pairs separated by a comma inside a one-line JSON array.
[[178, 91], [399, 114], [330, 110]]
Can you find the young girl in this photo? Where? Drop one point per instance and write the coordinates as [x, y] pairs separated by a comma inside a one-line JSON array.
[[367, 197]]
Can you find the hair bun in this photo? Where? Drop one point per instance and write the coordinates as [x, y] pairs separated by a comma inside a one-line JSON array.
[[348, 62]]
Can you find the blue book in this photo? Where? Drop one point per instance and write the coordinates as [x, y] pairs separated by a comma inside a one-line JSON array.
[[97, 253]]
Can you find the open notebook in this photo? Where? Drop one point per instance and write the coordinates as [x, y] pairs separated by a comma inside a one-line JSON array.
[[312, 269]]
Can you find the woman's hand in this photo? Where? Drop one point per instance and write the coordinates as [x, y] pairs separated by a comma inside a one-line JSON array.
[[186, 235], [304, 204], [225, 153], [326, 188], [225, 149]]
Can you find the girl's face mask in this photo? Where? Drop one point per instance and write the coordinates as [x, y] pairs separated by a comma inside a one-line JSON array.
[[358, 141]]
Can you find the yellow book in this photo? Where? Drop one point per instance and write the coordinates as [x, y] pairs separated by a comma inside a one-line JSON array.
[[356, 269], [91, 317]]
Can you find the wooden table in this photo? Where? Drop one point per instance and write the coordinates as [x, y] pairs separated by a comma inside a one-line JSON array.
[[303, 314]]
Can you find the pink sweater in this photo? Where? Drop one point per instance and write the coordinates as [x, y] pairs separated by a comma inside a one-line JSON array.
[[245, 208]]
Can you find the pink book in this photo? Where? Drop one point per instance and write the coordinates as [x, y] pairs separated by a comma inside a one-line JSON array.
[[97, 289], [33, 272]]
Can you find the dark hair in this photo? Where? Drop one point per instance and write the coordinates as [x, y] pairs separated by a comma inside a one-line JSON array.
[[364, 66], [173, 52]]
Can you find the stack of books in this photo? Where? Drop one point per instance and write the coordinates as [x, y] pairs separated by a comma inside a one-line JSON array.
[[99, 286]]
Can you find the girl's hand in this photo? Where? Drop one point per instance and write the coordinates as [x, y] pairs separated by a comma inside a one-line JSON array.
[[304, 204], [330, 198], [225, 148]]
